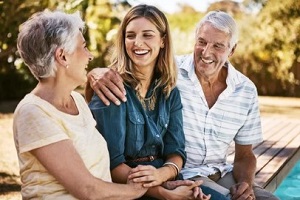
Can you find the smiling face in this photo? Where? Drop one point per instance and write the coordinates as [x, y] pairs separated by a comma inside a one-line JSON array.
[[143, 43], [211, 50], [78, 61]]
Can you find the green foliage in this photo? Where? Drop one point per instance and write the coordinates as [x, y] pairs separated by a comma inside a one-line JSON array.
[[269, 51], [15, 78], [101, 23], [182, 26], [13, 13]]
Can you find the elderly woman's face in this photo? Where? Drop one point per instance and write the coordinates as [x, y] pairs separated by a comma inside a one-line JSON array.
[[143, 42], [78, 61]]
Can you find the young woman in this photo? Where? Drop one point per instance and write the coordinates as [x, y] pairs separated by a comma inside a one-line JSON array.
[[145, 135]]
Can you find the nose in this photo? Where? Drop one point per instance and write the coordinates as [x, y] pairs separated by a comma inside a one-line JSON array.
[[206, 49], [138, 42]]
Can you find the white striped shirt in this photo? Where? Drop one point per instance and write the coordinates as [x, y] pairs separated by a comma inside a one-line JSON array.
[[209, 132]]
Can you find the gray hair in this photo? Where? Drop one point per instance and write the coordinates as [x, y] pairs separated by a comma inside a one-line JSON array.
[[223, 22], [42, 34]]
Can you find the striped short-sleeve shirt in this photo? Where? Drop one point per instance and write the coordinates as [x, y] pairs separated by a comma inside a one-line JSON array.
[[209, 131]]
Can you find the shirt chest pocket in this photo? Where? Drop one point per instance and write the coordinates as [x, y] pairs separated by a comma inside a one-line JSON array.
[[229, 126], [135, 130]]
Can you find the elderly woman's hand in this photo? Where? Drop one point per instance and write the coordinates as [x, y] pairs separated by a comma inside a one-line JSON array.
[[138, 187]]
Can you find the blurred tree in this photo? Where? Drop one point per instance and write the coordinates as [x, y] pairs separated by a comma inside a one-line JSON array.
[[231, 7], [182, 25], [13, 13], [101, 18], [269, 51]]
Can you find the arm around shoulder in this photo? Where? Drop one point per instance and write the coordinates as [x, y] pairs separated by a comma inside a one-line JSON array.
[[107, 84]]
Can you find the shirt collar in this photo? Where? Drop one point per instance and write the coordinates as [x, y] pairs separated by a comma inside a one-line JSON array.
[[185, 64]]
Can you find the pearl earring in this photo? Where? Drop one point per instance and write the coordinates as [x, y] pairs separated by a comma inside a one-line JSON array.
[[67, 66]]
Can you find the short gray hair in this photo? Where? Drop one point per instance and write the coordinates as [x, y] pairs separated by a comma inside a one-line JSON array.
[[42, 34], [222, 21]]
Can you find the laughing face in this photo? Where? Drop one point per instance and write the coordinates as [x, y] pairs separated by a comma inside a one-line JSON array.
[[143, 43], [78, 61], [211, 50]]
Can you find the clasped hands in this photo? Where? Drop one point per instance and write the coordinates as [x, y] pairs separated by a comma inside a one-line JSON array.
[[149, 176], [242, 191]]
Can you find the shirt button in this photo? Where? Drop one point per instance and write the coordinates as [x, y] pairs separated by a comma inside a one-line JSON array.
[[166, 125], [157, 135], [153, 146]]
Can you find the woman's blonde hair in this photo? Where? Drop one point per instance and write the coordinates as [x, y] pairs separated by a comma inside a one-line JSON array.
[[165, 69]]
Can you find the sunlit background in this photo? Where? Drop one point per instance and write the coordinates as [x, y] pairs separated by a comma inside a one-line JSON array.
[[268, 51]]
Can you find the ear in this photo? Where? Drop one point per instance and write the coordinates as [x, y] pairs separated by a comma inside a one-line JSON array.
[[60, 57], [232, 50]]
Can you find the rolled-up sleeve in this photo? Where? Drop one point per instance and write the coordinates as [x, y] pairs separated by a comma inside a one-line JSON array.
[[251, 131], [111, 123], [174, 139]]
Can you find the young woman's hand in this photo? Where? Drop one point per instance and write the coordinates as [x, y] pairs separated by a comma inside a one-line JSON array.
[[147, 174]]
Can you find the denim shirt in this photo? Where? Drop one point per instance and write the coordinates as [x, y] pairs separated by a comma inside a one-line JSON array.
[[133, 132]]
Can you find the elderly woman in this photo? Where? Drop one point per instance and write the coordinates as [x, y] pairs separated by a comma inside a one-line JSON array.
[[61, 153]]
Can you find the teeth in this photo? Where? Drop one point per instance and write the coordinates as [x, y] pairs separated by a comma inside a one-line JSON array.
[[207, 61], [141, 51]]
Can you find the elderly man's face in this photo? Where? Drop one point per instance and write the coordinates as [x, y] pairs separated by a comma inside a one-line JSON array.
[[211, 50]]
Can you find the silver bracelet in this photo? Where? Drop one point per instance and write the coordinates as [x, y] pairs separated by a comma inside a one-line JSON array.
[[174, 165]]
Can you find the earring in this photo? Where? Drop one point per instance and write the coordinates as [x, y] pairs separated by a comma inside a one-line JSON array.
[[67, 66]]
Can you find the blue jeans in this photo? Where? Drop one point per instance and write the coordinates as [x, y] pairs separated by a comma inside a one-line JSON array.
[[206, 190], [214, 194]]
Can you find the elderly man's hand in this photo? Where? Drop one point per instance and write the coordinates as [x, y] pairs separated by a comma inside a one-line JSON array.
[[107, 84], [242, 191]]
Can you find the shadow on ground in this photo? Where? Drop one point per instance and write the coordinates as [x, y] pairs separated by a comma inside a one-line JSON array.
[[9, 183]]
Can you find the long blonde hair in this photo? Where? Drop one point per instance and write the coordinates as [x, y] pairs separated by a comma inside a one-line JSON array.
[[165, 68]]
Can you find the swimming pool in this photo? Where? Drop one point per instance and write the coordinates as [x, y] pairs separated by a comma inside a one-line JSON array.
[[289, 189]]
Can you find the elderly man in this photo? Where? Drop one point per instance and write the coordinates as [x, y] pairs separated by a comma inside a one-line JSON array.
[[220, 105]]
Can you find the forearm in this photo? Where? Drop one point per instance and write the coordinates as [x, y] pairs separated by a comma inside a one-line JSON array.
[[60, 158], [157, 192], [244, 169], [98, 189], [120, 173], [172, 171]]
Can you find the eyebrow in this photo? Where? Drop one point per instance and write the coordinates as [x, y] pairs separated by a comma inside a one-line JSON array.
[[218, 43], [142, 31]]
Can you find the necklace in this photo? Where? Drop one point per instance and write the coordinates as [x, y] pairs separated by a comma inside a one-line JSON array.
[[149, 102]]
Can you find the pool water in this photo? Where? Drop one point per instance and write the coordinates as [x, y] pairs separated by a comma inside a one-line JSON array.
[[289, 189]]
